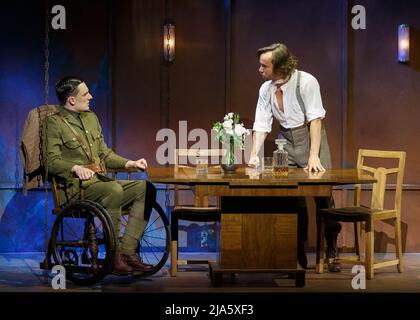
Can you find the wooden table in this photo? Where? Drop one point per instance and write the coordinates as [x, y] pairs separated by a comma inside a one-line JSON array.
[[253, 240]]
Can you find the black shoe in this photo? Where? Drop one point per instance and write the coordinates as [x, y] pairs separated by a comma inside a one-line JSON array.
[[333, 266], [331, 254]]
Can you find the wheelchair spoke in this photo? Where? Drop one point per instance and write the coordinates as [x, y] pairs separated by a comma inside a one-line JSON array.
[[158, 228], [151, 246], [151, 223], [154, 237]]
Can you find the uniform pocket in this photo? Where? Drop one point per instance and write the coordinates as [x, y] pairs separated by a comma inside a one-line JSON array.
[[96, 135], [96, 138], [71, 142]]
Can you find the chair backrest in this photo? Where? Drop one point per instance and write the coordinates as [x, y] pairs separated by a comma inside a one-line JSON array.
[[381, 174], [189, 158]]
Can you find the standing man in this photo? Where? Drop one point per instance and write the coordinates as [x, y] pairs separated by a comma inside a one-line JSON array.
[[77, 156], [293, 98]]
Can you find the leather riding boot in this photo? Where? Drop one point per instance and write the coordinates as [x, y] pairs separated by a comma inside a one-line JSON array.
[[141, 259], [121, 268], [135, 262]]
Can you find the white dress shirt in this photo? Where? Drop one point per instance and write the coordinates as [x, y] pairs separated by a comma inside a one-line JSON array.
[[292, 116]]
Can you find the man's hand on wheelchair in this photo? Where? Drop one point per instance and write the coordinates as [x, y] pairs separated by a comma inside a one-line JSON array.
[[83, 173], [139, 164]]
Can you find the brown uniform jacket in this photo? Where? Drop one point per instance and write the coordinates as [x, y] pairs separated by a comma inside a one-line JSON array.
[[29, 149]]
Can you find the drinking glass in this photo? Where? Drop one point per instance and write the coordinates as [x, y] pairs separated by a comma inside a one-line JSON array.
[[267, 165]]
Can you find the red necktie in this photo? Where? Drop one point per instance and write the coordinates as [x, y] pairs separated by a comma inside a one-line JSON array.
[[279, 96]]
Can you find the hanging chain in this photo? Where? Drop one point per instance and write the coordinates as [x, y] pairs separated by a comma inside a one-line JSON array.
[[46, 92], [47, 56]]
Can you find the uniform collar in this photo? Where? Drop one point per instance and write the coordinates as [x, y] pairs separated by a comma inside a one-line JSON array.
[[74, 113], [71, 116]]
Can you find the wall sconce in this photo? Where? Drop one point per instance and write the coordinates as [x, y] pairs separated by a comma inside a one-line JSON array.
[[168, 42], [403, 43]]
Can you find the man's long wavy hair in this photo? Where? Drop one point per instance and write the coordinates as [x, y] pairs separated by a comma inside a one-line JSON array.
[[284, 62]]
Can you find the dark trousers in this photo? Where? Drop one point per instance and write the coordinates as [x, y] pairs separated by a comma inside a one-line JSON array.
[[297, 146], [332, 228]]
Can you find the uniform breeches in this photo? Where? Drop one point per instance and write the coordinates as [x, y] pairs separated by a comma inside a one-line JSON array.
[[115, 196]]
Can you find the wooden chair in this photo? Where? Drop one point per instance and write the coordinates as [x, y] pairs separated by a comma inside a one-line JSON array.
[[200, 211], [359, 214]]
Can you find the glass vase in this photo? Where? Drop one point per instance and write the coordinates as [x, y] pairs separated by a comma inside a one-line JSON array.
[[228, 163]]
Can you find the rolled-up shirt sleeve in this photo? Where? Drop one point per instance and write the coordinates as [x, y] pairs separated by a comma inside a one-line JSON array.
[[311, 96], [263, 115]]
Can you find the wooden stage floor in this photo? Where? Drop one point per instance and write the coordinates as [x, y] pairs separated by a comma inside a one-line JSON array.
[[21, 273], [24, 288]]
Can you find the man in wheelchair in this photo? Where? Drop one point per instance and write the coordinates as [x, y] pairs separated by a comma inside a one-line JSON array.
[[76, 155]]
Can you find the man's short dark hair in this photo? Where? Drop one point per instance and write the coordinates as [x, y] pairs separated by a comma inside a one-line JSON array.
[[284, 62], [67, 87]]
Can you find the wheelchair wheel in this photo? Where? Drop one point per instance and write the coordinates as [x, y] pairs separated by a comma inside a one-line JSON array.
[[154, 245], [83, 241]]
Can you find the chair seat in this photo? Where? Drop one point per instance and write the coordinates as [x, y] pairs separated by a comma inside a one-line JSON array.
[[199, 214], [349, 214]]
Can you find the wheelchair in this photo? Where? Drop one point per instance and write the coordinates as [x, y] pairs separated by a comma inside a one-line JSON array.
[[84, 242]]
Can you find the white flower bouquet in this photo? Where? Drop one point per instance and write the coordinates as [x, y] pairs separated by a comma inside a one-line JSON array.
[[231, 132]]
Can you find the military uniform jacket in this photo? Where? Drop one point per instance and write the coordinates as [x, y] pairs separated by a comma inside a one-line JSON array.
[[62, 150]]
